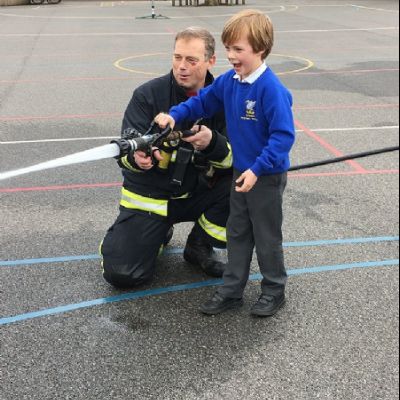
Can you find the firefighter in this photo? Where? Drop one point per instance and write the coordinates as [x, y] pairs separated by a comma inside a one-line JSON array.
[[184, 181]]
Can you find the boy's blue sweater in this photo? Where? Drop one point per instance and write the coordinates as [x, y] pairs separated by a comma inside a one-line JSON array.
[[259, 120]]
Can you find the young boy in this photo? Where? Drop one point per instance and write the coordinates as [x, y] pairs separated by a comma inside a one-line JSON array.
[[261, 132]]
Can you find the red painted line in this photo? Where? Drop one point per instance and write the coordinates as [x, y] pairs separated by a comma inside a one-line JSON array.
[[43, 80], [49, 117], [344, 173], [333, 150], [345, 72], [60, 187], [345, 107], [118, 184]]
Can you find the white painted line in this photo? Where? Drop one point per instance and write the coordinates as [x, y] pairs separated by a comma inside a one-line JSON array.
[[60, 140], [80, 139], [388, 28], [76, 34], [369, 128], [374, 9]]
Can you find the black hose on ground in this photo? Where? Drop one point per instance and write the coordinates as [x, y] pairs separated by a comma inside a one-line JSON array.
[[344, 158]]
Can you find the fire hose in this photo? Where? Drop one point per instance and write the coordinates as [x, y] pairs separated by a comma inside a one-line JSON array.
[[133, 141], [345, 158]]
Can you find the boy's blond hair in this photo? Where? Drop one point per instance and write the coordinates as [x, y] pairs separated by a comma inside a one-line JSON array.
[[257, 26]]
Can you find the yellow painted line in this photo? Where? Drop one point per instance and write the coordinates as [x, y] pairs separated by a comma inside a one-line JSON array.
[[119, 64], [309, 64]]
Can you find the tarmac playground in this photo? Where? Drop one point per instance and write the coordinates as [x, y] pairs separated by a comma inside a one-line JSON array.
[[67, 72]]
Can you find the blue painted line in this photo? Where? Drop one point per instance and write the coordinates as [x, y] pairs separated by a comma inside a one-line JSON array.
[[32, 261], [174, 251], [316, 243], [181, 288]]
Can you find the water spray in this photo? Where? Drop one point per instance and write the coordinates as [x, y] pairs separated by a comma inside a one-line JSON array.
[[131, 141], [116, 149], [98, 153]]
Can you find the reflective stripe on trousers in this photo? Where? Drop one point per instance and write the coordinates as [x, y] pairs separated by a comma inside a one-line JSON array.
[[215, 231], [134, 201]]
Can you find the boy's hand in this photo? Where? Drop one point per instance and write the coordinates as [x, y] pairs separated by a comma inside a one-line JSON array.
[[246, 181], [163, 120]]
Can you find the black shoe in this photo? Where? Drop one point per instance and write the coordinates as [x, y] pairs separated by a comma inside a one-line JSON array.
[[218, 304], [200, 253], [268, 305]]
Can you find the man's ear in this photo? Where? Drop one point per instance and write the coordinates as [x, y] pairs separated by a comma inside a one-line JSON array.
[[212, 61]]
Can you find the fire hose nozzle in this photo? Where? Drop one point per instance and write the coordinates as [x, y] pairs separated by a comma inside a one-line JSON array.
[[127, 146]]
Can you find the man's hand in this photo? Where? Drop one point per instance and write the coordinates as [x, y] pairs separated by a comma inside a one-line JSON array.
[[145, 162], [246, 181], [163, 120], [202, 139]]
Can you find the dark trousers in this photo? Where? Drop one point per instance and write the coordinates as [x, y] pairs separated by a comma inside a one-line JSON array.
[[132, 244], [256, 221]]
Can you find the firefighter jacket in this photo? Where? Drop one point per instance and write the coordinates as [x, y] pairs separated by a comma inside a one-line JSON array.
[[150, 99]]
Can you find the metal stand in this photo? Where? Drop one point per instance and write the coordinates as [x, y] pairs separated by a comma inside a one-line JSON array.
[[153, 13]]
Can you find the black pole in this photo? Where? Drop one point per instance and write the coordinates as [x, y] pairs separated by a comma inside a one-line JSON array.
[[153, 14], [344, 158]]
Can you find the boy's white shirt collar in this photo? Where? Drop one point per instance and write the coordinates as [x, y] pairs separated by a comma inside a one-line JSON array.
[[254, 76]]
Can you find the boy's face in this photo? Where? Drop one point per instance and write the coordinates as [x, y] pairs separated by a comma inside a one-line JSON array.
[[243, 58], [190, 64]]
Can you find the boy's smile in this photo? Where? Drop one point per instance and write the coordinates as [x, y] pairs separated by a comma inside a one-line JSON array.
[[243, 58]]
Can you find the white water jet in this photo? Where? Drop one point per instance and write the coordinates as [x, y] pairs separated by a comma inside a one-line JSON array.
[[98, 153]]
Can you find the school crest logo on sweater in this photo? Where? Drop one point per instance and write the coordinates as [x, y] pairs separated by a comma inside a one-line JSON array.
[[250, 111]]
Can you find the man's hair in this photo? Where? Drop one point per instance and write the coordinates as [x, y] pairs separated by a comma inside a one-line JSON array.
[[195, 32], [257, 26]]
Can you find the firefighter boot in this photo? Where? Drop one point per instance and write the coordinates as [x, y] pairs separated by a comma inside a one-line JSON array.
[[200, 253]]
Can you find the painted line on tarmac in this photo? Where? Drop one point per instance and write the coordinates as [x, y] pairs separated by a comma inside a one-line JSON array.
[[174, 250], [78, 139], [374, 9], [341, 174], [103, 34], [107, 185], [89, 138], [182, 288], [329, 147], [329, 107], [345, 107], [59, 117], [308, 64], [129, 78]]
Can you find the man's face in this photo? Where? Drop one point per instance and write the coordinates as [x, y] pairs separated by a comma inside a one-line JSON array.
[[190, 64]]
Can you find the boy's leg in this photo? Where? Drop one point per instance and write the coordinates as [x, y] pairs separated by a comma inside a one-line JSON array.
[[131, 246], [265, 206], [240, 245]]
